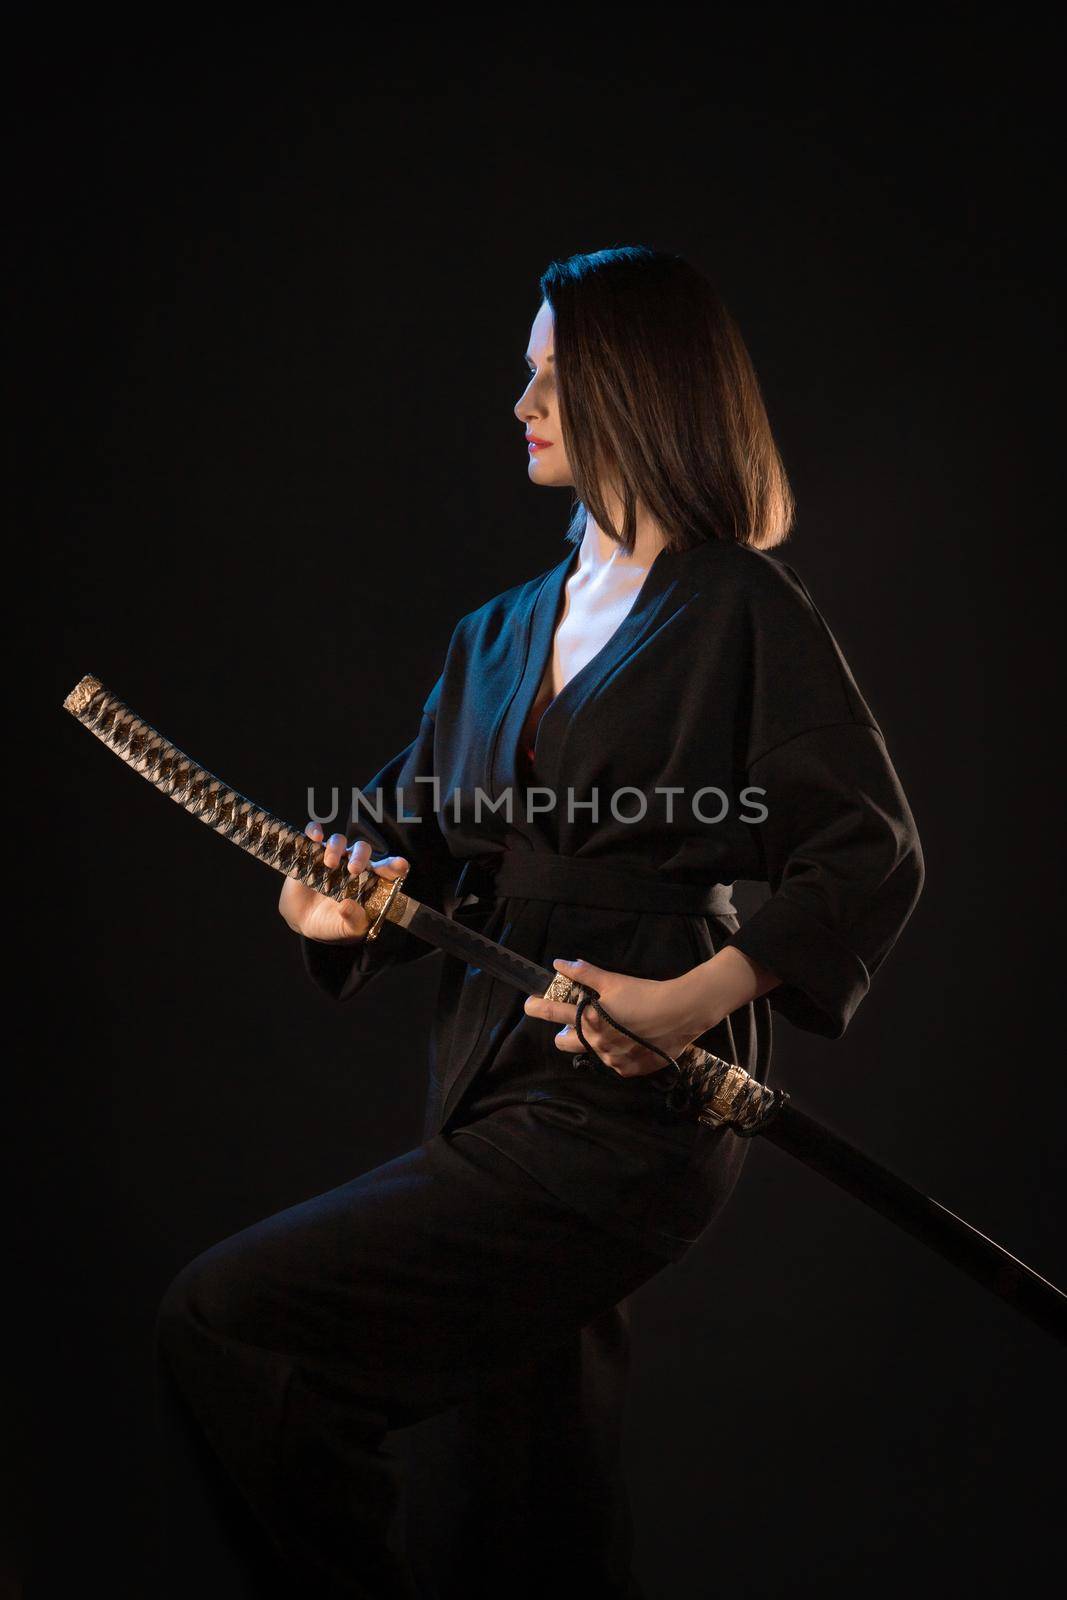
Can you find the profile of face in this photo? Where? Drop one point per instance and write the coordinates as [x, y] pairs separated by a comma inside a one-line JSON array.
[[538, 408]]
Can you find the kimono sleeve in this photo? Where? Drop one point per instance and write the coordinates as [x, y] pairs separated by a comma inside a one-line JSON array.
[[404, 793], [838, 845]]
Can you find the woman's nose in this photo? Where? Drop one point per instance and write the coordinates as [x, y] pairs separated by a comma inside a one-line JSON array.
[[525, 408]]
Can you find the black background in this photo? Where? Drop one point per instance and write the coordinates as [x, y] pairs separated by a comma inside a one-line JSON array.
[[273, 291]]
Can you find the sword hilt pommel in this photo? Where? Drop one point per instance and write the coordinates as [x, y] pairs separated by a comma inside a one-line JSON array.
[[81, 694]]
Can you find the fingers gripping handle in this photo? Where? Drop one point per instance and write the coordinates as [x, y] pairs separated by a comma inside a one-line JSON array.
[[696, 1082]]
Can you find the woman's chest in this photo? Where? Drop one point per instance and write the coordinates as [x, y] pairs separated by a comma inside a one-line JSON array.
[[648, 714], [589, 616]]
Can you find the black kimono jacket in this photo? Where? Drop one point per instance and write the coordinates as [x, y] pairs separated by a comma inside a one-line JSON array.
[[717, 735]]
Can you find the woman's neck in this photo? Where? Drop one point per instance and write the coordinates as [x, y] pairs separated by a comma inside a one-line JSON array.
[[599, 551]]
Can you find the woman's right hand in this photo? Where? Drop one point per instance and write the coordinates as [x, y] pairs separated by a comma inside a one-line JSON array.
[[319, 916]]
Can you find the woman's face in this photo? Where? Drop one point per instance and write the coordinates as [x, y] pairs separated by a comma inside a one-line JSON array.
[[538, 411]]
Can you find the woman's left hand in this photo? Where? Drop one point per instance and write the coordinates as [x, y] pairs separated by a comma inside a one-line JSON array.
[[650, 1006]]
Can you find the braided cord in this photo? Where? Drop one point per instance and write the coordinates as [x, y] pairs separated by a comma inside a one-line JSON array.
[[667, 1079]]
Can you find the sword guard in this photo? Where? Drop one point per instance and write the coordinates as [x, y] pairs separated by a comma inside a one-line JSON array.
[[375, 894]]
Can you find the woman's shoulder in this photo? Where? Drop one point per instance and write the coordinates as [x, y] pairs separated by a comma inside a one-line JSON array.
[[753, 589], [722, 566], [484, 635], [789, 642], [502, 609], [722, 571]]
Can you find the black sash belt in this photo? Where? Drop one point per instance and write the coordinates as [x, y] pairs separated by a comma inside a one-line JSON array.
[[540, 875]]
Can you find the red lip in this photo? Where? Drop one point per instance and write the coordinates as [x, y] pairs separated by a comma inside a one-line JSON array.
[[535, 443]]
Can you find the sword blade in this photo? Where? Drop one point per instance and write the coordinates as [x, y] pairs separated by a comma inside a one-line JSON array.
[[478, 951]]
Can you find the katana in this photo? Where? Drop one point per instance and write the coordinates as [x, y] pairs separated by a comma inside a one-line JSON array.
[[696, 1083]]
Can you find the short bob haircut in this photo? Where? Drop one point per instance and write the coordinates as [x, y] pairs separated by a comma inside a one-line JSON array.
[[658, 393]]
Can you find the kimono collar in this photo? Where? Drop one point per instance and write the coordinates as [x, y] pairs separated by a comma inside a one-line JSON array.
[[542, 618]]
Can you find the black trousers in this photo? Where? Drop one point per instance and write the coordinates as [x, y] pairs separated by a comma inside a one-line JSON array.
[[446, 1278]]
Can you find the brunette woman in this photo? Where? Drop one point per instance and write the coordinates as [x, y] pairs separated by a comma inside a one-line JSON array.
[[609, 745]]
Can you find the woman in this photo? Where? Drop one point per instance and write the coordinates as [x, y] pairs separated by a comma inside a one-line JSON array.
[[608, 747]]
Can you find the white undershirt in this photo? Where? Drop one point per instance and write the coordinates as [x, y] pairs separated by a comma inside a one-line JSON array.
[[599, 594]]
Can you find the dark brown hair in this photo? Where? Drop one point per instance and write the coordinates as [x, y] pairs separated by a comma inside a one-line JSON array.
[[658, 392]]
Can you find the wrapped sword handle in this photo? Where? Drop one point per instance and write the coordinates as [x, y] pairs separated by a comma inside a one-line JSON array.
[[211, 801]]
